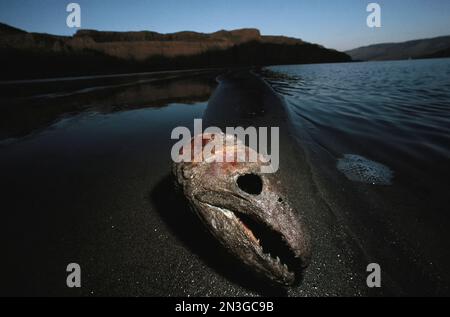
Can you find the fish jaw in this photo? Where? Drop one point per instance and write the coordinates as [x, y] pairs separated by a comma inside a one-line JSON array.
[[257, 225]]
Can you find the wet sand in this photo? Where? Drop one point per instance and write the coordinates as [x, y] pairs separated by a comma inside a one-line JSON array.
[[95, 188], [338, 264]]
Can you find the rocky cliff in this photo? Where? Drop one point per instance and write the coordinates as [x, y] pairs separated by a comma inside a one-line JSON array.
[[26, 54]]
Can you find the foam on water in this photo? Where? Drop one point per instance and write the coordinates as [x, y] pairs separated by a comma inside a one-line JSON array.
[[360, 169]]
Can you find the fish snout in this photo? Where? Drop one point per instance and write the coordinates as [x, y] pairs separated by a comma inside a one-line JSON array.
[[249, 214]]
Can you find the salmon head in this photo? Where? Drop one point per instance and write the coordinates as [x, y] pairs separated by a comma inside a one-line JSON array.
[[243, 208]]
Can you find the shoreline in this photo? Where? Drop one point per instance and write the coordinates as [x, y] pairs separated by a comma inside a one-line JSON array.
[[94, 189], [90, 77]]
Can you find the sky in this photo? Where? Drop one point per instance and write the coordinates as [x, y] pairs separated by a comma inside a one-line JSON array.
[[332, 23]]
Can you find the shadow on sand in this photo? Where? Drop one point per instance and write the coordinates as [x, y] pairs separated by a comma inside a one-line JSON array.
[[173, 208]]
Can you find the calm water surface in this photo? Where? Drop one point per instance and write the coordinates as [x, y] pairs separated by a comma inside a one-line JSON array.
[[80, 158], [378, 139], [396, 113]]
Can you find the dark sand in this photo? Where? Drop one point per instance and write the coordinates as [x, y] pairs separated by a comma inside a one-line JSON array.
[[338, 265], [95, 189]]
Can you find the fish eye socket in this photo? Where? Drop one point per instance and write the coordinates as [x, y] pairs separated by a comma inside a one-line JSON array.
[[250, 183]]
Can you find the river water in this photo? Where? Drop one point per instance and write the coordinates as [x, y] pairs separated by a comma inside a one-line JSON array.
[[378, 137], [85, 162]]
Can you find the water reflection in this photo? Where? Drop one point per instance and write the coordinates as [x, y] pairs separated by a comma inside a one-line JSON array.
[[31, 106]]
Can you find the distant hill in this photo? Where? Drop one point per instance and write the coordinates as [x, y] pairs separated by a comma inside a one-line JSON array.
[[433, 47], [28, 55], [6, 29]]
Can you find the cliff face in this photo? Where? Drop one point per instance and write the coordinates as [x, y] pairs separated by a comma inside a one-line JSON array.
[[235, 36], [128, 45], [141, 45], [90, 51]]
